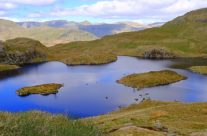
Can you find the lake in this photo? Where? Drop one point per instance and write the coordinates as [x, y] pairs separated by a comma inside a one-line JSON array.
[[92, 90]]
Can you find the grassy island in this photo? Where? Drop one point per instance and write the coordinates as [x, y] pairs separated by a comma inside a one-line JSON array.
[[5, 67], [151, 79], [44, 89], [199, 69], [152, 118], [93, 59]]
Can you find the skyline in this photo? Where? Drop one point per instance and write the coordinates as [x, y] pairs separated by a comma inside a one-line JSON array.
[[97, 11]]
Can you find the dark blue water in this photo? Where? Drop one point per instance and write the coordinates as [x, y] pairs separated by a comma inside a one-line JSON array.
[[92, 90]]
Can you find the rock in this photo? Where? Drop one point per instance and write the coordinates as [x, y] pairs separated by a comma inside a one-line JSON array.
[[158, 54], [21, 51], [23, 57], [2, 52]]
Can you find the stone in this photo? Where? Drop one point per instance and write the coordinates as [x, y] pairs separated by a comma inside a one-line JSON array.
[[158, 54]]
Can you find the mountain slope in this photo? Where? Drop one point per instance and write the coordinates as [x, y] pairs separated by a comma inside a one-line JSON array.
[[102, 30], [184, 36], [47, 35]]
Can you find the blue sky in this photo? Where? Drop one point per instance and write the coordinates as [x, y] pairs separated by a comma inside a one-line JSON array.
[[145, 11]]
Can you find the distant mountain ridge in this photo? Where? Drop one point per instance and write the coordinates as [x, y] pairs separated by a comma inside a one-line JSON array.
[[99, 30], [62, 31], [46, 34]]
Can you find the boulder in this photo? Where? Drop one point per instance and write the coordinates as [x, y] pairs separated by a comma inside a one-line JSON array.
[[2, 52], [158, 54]]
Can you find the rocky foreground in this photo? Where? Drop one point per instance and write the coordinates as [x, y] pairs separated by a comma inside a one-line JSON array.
[[154, 118]]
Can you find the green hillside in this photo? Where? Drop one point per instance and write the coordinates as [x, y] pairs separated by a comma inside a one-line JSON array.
[[184, 36]]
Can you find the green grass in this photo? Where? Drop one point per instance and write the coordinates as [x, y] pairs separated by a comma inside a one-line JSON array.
[[36, 123], [5, 67], [151, 79], [44, 89], [199, 69], [24, 45], [148, 118], [155, 118]]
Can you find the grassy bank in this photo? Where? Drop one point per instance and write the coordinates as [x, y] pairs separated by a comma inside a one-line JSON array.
[[43, 124], [199, 69], [155, 118], [151, 79], [145, 119], [44, 89], [5, 67]]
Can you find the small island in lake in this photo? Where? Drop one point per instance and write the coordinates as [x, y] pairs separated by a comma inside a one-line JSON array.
[[151, 79], [6, 67], [44, 89], [199, 69]]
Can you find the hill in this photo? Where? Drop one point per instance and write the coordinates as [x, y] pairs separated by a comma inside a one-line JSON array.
[[46, 34], [22, 50], [185, 36]]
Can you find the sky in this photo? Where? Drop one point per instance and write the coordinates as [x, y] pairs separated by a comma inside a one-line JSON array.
[[97, 11]]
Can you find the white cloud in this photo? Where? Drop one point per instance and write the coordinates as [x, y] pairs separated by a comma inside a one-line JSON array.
[[6, 5], [132, 9]]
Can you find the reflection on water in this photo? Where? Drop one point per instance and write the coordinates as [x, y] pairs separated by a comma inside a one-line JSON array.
[[92, 90]]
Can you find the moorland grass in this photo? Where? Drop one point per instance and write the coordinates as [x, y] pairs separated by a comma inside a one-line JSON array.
[[199, 69], [36, 123], [151, 79], [155, 118], [5, 67], [44, 89]]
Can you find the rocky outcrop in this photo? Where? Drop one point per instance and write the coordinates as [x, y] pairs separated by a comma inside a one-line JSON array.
[[2, 52], [21, 51], [158, 54], [23, 57]]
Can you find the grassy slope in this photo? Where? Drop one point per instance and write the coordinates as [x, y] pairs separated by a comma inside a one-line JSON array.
[[47, 35], [184, 36], [43, 124], [151, 79], [23, 44], [45, 89], [155, 118]]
